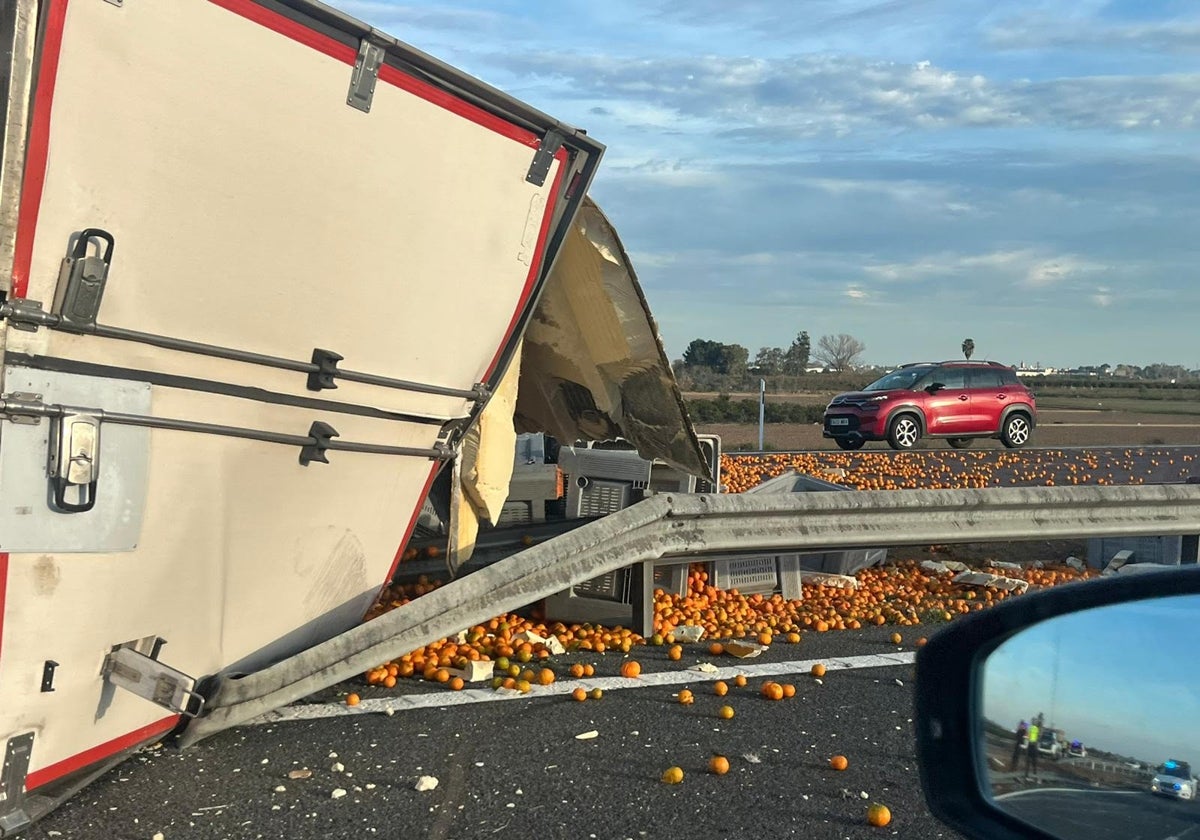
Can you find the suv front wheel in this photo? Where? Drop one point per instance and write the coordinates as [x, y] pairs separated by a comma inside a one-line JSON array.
[[1015, 431], [904, 431]]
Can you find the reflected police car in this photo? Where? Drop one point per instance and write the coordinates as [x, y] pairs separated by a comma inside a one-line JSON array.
[[1174, 779]]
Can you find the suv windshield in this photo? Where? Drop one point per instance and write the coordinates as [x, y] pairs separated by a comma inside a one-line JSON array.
[[899, 380], [1178, 769]]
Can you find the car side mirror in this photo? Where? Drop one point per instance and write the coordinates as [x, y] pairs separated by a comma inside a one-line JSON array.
[[934, 387], [1108, 662]]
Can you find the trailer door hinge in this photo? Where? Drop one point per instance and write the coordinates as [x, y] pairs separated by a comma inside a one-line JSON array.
[[366, 72], [12, 784], [544, 156]]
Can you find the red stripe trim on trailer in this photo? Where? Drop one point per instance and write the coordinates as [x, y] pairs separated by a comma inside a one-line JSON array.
[[38, 147], [3, 592], [99, 752]]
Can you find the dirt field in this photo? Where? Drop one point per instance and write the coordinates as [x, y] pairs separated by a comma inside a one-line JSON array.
[[1056, 428]]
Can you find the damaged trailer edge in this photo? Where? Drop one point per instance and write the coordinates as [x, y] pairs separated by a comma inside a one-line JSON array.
[[685, 527]]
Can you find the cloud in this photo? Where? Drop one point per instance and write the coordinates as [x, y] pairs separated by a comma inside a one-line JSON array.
[[1102, 297], [855, 293], [810, 96], [1043, 31]]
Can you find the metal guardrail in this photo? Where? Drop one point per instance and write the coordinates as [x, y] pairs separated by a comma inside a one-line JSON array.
[[679, 525]]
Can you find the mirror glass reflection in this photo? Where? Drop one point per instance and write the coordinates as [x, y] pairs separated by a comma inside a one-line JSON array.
[[1091, 722]]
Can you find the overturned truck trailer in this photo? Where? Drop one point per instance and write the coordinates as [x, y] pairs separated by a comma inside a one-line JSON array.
[[267, 275]]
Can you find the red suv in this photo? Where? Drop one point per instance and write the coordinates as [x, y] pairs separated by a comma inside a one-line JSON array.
[[955, 400]]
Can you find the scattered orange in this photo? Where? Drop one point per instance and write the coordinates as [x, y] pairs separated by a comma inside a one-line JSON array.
[[673, 775], [442, 675], [719, 765], [818, 670], [720, 688], [879, 815], [772, 691], [896, 638], [789, 690], [725, 713], [839, 762], [740, 680], [576, 670], [921, 642], [545, 676], [457, 684], [631, 669], [716, 648], [579, 694], [685, 697], [675, 652], [353, 699], [596, 693]]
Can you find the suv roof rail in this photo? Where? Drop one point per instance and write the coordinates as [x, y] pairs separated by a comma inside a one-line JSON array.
[[969, 362]]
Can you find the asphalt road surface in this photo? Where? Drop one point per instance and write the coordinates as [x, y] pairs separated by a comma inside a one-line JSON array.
[[1105, 815], [510, 767]]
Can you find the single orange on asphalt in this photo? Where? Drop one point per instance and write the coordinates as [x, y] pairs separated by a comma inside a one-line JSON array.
[[673, 775], [719, 765], [353, 699], [789, 690], [740, 680], [631, 669], [579, 694], [839, 762], [725, 713], [675, 653], [879, 815], [818, 670], [685, 698], [716, 648], [720, 688]]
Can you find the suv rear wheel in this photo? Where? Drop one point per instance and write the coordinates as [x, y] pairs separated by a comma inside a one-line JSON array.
[[959, 443], [904, 431], [1015, 431]]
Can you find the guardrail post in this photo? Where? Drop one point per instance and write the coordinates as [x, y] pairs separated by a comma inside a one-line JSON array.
[[641, 597]]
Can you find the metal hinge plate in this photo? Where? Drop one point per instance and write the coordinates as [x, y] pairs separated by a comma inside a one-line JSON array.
[[12, 783], [160, 684], [366, 73], [544, 156]]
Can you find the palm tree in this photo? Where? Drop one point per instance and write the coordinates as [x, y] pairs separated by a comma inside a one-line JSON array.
[[968, 347]]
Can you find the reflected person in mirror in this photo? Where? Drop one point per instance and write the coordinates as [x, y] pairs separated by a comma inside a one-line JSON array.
[[1020, 740], [1031, 751]]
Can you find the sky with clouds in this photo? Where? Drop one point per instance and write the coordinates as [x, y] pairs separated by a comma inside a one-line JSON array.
[[911, 172]]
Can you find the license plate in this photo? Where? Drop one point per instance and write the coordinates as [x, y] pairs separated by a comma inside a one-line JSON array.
[[839, 421]]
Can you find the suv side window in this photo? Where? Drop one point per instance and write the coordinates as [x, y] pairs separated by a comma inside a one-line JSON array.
[[1009, 377], [954, 378], [986, 378]]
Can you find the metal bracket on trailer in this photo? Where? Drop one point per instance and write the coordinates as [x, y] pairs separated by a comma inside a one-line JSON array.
[[13, 816], [147, 677], [544, 156], [366, 73]]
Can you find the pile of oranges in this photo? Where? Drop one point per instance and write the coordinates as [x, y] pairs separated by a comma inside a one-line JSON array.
[[901, 594], [940, 470]]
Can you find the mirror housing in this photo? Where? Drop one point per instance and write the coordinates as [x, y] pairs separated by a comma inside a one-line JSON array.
[[934, 387], [949, 693]]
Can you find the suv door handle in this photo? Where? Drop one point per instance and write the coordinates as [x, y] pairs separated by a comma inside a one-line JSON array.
[[1002, 396], [963, 397]]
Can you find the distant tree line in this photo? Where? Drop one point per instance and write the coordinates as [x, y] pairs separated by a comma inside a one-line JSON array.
[[709, 365]]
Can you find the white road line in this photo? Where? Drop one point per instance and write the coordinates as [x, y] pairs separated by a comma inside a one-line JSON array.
[[1017, 793], [646, 680]]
